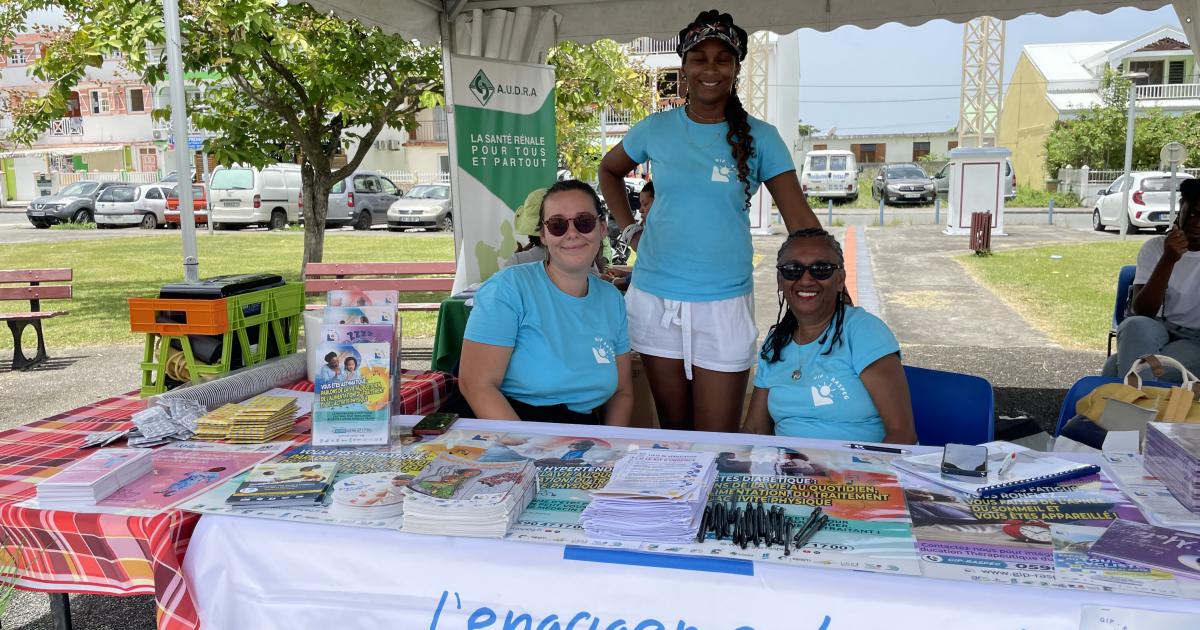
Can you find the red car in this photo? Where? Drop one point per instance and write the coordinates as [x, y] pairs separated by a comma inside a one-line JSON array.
[[199, 206]]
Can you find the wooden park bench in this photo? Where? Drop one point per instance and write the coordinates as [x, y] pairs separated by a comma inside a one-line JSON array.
[[405, 277], [32, 289]]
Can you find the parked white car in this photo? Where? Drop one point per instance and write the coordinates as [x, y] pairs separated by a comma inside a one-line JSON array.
[[831, 174], [245, 195], [129, 204], [1148, 197]]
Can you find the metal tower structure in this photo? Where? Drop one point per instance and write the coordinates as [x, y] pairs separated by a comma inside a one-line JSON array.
[[753, 80], [982, 82]]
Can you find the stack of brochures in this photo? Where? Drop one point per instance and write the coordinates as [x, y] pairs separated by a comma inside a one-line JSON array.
[[358, 348], [370, 496], [460, 497], [284, 485], [259, 419], [1144, 545], [1172, 453], [1030, 471], [95, 477], [654, 495]]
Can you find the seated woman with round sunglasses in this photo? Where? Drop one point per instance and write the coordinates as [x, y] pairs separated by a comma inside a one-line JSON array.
[[827, 369], [548, 341]]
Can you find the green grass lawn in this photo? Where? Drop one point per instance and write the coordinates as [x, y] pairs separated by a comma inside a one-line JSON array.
[[1071, 298], [109, 270]]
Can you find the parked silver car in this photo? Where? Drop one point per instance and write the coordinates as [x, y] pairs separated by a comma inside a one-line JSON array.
[[902, 183], [361, 200], [143, 205], [75, 203], [427, 206]]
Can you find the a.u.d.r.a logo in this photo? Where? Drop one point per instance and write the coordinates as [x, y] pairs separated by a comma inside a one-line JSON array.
[[481, 86]]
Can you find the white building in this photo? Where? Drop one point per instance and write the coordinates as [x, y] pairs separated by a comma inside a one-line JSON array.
[[880, 148], [107, 127]]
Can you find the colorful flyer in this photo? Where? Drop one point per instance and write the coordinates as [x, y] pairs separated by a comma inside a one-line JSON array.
[[354, 391], [184, 469]]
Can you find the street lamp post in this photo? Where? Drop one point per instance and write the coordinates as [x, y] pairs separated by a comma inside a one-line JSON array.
[[1132, 77]]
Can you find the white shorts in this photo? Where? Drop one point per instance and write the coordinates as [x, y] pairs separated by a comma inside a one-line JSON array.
[[718, 335]]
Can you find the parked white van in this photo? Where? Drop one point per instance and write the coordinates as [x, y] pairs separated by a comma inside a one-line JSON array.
[[245, 195], [830, 174]]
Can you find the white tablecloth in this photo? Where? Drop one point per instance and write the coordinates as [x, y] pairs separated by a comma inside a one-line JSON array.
[[252, 573]]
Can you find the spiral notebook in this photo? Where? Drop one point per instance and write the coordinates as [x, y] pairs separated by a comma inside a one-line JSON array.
[[1031, 470]]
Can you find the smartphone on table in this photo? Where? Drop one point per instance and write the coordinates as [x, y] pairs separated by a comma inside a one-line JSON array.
[[435, 423], [965, 460]]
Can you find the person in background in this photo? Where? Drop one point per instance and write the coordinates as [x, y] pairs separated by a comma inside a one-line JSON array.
[[548, 341], [621, 273], [525, 222], [1164, 313], [827, 370], [690, 303]]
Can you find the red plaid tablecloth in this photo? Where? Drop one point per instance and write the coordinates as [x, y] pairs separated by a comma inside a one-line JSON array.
[[59, 551]]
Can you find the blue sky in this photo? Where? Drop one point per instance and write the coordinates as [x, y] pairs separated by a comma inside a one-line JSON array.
[[862, 62]]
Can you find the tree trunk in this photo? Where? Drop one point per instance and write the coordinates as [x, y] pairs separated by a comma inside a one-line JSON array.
[[315, 183]]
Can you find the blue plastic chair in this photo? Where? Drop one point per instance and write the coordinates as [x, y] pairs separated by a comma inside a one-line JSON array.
[[1124, 283], [949, 407], [1083, 387]]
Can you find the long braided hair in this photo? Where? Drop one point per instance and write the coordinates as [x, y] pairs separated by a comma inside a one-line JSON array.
[[780, 335], [739, 139]]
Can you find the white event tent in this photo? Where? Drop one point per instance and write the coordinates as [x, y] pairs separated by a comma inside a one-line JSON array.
[[522, 30]]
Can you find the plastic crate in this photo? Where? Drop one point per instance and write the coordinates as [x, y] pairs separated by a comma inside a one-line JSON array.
[[253, 321], [201, 317]]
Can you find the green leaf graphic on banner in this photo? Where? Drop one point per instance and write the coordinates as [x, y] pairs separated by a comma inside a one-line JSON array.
[[510, 154]]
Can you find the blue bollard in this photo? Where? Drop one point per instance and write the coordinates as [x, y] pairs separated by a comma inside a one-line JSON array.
[[881, 200], [937, 210], [830, 222], [1052, 211]]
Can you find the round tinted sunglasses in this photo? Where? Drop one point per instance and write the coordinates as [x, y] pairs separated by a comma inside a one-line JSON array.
[[818, 270], [584, 222]]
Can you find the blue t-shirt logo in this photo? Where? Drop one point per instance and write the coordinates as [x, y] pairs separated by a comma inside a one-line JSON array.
[[602, 350]]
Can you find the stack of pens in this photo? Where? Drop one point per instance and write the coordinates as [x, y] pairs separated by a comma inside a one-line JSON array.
[[758, 525]]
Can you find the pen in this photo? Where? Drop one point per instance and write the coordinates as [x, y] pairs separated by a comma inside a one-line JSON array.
[[1006, 465], [878, 449], [812, 531]]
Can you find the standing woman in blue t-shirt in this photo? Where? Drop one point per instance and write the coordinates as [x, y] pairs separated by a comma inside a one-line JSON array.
[[827, 369], [690, 305], [548, 340]]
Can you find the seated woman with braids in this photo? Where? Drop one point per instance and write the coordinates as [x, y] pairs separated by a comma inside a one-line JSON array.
[[827, 369]]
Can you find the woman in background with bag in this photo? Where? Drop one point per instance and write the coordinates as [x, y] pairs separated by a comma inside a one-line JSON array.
[[1165, 307]]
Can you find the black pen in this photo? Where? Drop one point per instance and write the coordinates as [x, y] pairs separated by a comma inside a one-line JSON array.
[[812, 531], [877, 449], [806, 525]]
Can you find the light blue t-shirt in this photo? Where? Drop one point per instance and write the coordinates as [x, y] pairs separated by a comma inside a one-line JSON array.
[[696, 244], [565, 348], [829, 400]]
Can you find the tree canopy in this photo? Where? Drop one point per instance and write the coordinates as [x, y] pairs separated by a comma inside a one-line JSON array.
[[1096, 137], [291, 82], [588, 77]]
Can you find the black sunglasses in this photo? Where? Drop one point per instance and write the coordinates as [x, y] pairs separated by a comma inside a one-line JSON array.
[[584, 222], [818, 270]]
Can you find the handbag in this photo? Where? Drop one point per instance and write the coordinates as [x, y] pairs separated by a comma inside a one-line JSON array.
[[1171, 404]]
